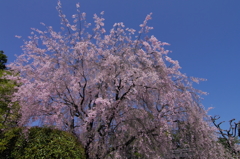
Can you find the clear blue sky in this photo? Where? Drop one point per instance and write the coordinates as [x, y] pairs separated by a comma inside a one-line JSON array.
[[204, 36]]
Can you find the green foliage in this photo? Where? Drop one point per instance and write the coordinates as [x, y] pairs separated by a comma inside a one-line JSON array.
[[3, 60], [41, 143], [9, 111], [8, 141], [225, 142]]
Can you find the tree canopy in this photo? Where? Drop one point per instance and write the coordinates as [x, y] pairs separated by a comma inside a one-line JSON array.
[[9, 111], [118, 91], [3, 60]]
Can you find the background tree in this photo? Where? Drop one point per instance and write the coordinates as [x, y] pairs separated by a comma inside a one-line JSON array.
[[112, 90], [228, 138], [9, 111], [3, 60]]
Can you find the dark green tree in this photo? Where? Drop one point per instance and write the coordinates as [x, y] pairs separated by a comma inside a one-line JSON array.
[[3, 60], [9, 111]]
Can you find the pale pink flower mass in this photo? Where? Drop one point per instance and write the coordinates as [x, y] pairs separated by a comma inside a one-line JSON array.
[[78, 5]]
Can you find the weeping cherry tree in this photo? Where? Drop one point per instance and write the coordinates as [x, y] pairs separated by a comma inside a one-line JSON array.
[[118, 91]]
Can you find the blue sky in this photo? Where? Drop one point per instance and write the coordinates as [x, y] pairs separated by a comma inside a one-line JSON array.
[[204, 36]]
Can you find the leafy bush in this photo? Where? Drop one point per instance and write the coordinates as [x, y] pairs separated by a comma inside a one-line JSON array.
[[9, 141], [43, 143]]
